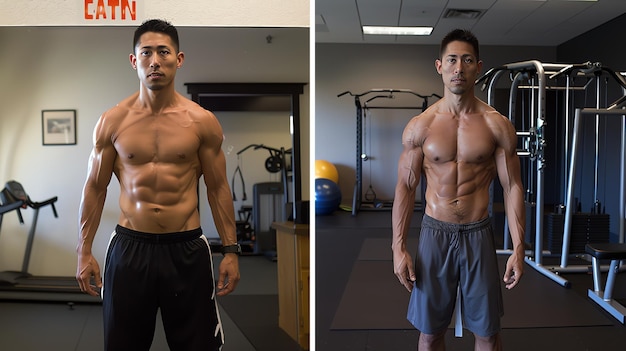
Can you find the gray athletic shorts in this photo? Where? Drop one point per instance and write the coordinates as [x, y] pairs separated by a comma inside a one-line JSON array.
[[453, 255]]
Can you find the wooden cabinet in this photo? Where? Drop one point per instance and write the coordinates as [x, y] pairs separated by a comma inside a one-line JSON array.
[[292, 246]]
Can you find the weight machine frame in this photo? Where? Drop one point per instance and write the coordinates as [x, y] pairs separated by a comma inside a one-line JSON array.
[[276, 162], [357, 197], [535, 143]]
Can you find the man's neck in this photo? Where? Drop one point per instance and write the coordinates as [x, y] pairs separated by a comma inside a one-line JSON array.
[[459, 104], [157, 100]]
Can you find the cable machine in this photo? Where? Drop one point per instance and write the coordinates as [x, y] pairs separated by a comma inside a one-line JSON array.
[[361, 108], [271, 202], [532, 80]]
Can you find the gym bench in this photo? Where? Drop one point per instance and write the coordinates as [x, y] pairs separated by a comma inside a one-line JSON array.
[[615, 253]]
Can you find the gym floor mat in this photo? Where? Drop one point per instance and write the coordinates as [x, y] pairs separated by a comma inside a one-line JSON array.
[[255, 315]]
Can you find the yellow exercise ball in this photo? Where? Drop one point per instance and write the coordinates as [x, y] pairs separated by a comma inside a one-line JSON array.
[[327, 170]]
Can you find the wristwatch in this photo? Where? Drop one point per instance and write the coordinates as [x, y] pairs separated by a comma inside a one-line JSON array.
[[236, 249]]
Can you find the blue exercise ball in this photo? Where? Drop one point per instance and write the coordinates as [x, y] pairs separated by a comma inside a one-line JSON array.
[[327, 196]]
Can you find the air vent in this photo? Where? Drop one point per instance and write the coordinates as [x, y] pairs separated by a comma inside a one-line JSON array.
[[462, 13]]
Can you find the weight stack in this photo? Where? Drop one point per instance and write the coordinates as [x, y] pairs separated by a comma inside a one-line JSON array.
[[586, 228]]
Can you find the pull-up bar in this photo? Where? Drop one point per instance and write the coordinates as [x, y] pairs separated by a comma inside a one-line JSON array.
[[390, 96]]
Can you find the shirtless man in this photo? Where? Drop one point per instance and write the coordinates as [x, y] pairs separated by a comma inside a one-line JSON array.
[[460, 144], [158, 144]]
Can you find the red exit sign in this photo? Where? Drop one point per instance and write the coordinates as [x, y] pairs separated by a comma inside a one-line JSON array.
[[112, 10]]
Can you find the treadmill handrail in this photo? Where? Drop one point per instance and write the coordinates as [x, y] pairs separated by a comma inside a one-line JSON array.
[[14, 191], [10, 207]]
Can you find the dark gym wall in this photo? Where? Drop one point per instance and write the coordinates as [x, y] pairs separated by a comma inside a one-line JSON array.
[[600, 45]]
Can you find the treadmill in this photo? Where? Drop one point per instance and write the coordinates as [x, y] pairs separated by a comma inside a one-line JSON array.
[[21, 285]]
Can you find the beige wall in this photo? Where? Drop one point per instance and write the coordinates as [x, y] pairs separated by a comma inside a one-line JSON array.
[[87, 69]]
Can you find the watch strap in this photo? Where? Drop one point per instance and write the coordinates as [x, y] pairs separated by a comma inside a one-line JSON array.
[[236, 249]]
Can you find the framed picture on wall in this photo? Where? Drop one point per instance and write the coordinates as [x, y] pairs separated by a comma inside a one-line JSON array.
[[58, 127]]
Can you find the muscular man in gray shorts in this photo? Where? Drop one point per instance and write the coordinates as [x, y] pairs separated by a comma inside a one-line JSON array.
[[460, 144]]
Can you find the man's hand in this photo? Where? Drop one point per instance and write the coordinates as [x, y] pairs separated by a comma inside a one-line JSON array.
[[229, 274], [403, 268], [514, 269], [88, 268]]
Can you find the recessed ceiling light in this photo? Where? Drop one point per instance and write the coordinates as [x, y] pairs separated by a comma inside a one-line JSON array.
[[382, 30]]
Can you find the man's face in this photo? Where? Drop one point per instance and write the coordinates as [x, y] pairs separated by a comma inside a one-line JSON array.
[[156, 60], [458, 67]]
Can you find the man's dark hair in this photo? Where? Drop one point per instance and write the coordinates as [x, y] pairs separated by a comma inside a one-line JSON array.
[[460, 35], [158, 26]]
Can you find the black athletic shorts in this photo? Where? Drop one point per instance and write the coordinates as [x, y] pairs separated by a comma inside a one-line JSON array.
[[451, 256], [171, 272]]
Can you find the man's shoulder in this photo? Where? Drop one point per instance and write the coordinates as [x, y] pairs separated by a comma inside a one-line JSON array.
[[194, 109], [493, 116], [114, 115], [500, 125], [486, 109], [424, 120], [418, 128], [427, 114], [207, 124], [121, 108]]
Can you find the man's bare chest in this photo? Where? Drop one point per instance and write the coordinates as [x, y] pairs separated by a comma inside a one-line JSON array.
[[156, 140], [459, 142]]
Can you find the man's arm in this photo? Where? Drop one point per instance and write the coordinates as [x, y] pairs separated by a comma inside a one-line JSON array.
[[100, 170], [213, 163], [409, 171], [509, 174]]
